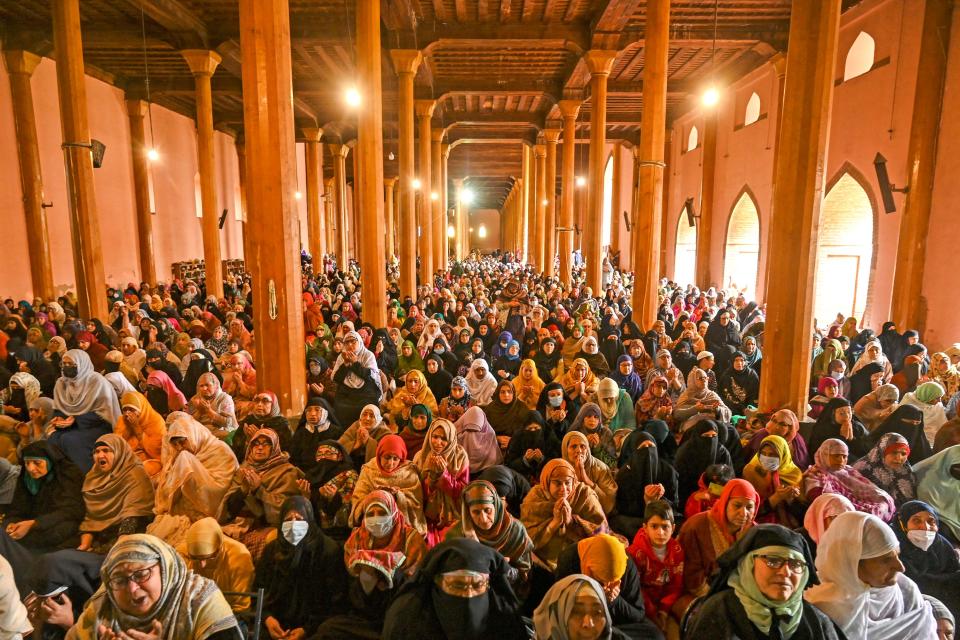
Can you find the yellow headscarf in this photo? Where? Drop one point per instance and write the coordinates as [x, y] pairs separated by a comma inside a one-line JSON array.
[[529, 396], [788, 471], [602, 557]]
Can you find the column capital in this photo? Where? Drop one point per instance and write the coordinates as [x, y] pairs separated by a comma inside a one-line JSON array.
[[406, 60], [312, 134], [540, 150], [445, 150], [389, 182], [570, 109], [21, 61], [201, 61], [600, 61], [779, 62], [552, 136], [436, 135], [424, 108], [136, 107], [338, 149]]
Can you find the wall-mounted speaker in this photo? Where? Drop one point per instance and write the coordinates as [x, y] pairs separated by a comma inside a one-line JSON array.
[[883, 181], [97, 149], [688, 209], [223, 218], [626, 219]]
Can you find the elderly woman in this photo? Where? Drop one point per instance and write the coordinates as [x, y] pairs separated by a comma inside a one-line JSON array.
[[213, 407], [559, 511], [589, 423], [579, 382], [778, 482], [149, 592], [414, 391], [590, 471], [302, 574], [391, 471], [875, 407], [838, 422], [223, 560], [888, 466], [862, 587], [264, 413], [117, 494], [759, 591], [616, 406], [197, 469], [357, 377], [143, 429], [361, 438], [929, 558], [830, 473], [86, 406], [480, 382], [240, 382], [574, 608], [820, 514], [696, 400], [938, 479]]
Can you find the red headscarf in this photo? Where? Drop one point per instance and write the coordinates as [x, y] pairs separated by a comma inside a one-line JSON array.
[[391, 443], [736, 488]]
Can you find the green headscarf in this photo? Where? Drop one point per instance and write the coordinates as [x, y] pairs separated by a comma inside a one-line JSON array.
[[407, 364], [759, 606], [928, 392], [420, 410], [33, 485]]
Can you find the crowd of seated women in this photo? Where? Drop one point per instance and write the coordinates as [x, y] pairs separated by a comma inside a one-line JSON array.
[[506, 458]]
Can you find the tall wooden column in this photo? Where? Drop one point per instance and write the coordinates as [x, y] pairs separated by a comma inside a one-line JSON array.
[[527, 197], [275, 242], [20, 66], [540, 154], [458, 222], [705, 246], [406, 62], [330, 213], [550, 210], [811, 61], [445, 201], [909, 307], [388, 211], [370, 218], [202, 64], [649, 154], [84, 219], [136, 111], [599, 62], [569, 109], [313, 156], [424, 110], [615, 200], [665, 200], [779, 64], [241, 146], [436, 200], [338, 152]]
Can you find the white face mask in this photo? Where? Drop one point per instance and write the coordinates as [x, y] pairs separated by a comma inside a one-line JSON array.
[[922, 538], [770, 463], [294, 530], [378, 526]]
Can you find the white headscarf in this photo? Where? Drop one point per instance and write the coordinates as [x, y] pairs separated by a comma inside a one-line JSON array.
[[87, 392], [866, 359], [481, 390], [550, 618], [365, 359], [119, 383], [865, 613]]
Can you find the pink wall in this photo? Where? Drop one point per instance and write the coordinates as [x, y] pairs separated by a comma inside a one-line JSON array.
[[175, 225], [490, 218]]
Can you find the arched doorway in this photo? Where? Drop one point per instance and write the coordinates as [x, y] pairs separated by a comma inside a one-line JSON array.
[[844, 252], [685, 258], [605, 228], [742, 254]]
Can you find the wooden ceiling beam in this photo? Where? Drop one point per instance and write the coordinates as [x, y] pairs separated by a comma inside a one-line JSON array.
[[455, 118], [186, 27]]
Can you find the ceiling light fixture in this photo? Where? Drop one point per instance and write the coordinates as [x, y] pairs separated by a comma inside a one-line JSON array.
[[352, 97]]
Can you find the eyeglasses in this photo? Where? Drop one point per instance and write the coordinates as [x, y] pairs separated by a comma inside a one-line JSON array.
[[776, 563], [139, 577]]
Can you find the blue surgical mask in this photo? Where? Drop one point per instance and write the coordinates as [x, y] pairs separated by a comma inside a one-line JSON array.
[[555, 401], [770, 463], [836, 375], [294, 530]]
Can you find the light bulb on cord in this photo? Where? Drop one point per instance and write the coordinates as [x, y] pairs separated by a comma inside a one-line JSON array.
[[466, 196], [581, 181], [450, 231], [297, 195], [710, 97], [482, 232], [416, 184], [434, 195], [352, 97], [152, 155], [544, 202]]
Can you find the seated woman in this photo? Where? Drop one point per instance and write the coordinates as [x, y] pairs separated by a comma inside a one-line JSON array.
[[628, 379], [616, 407], [655, 403], [782, 423], [264, 414], [875, 407], [827, 390], [559, 511], [528, 384], [461, 591], [778, 482], [458, 402], [928, 558], [760, 586], [85, 406], [700, 447], [480, 382], [698, 400], [506, 366], [484, 517], [250, 511], [414, 391], [163, 394], [906, 421], [223, 560], [926, 397], [329, 483], [444, 471], [414, 433], [575, 607], [240, 383], [361, 438], [117, 494], [739, 387], [887, 466], [143, 430], [820, 514], [589, 423], [862, 587], [438, 379], [706, 536], [358, 379], [197, 469], [46, 510], [838, 422], [146, 586], [590, 471], [830, 473], [531, 448], [641, 479], [506, 413], [478, 439], [213, 407], [391, 471], [579, 382], [938, 479], [301, 573]]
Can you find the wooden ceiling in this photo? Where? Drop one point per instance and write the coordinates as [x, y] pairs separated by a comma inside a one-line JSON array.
[[496, 67]]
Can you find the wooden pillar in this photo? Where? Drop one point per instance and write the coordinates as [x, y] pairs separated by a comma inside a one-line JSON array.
[[569, 109], [353, 211], [439, 223], [388, 210], [616, 212], [202, 64], [705, 246], [550, 210], [78, 160], [313, 156], [330, 214], [458, 253], [648, 156], [339, 154], [136, 110], [909, 306], [599, 62], [369, 218], [811, 64], [665, 201], [526, 201], [275, 242], [539, 236], [20, 66], [779, 63], [241, 147], [406, 62], [445, 201], [424, 110]]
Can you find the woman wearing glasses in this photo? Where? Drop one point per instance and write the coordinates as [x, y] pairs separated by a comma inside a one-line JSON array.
[[148, 593], [758, 592]]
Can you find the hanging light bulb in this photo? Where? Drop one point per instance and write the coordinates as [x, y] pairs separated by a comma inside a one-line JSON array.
[[434, 195], [466, 196], [450, 231], [544, 202], [416, 184], [297, 195], [352, 97], [152, 155], [711, 97], [390, 156], [581, 181], [482, 232]]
